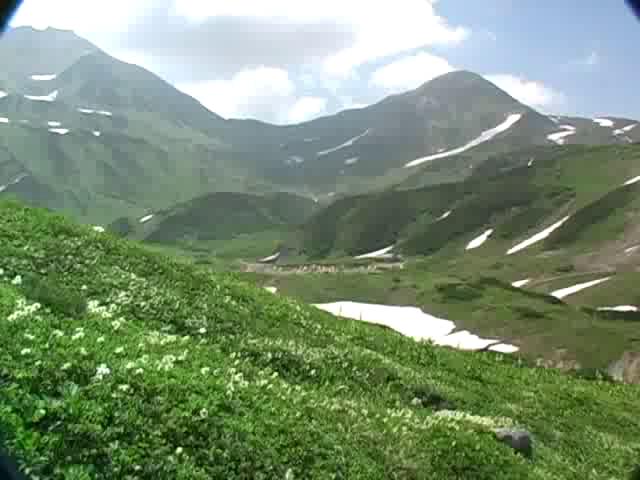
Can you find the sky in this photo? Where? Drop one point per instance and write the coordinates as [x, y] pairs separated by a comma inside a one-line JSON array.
[[287, 61]]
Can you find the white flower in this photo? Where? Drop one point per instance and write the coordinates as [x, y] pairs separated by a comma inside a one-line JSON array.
[[130, 366], [77, 335], [119, 350], [25, 351], [116, 324], [1, 272], [205, 370], [83, 287], [100, 340], [123, 388], [28, 336], [98, 229], [179, 451], [66, 366], [204, 413], [139, 371], [137, 468], [38, 363], [58, 333], [17, 280], [83, 352], [202, 331], [102, 371]]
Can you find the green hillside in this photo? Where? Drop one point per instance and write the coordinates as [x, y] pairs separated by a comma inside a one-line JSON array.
[[121, 363]]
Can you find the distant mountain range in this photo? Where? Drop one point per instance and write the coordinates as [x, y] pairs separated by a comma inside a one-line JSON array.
[[101, 139]]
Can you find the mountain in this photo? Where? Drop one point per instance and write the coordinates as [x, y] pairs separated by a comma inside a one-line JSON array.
[[134, 142], [218, 216], [217, 376]]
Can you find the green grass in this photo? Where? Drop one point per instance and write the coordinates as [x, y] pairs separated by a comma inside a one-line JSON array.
[[174, 372]]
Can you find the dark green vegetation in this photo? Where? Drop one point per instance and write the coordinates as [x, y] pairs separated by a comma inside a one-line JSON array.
[[163, 369]]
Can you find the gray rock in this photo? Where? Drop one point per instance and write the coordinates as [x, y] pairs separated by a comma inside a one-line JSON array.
[[519, 440]]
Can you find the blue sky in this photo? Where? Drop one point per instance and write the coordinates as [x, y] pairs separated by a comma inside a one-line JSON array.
[[288, 61]]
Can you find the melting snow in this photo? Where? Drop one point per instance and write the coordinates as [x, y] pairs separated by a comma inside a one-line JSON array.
[[554, 119], [96, 133], [43, 78], [520, 283], [624, 130], [631, 181], [484, 137], [411, 322], [538, 236], [297, 159], [3, 94], [44, 98], [632, 249], [565, 292], [476, 242], [15, 181], [86, 110], [348, 143], [54, 124], [4, 120], [104, 112], [3, 188], [530, 162], [444, 215], [558, 137], [146, 218], [271, 258], [59, 131], [351, 161], [382, 253], [603, 122], [620, 308], [504, 348]]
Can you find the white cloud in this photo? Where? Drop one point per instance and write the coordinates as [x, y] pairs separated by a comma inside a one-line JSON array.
[[306, 108], [380, 29], [410, 72], [258, 92], [531, 93]]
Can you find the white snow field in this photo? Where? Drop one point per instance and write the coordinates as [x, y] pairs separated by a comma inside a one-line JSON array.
[[382, 253], [413, 322], [538, 236], [484, 137], [476, 242], [565, 292]]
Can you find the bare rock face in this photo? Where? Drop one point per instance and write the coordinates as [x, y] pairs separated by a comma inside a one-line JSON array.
[[627, 369]]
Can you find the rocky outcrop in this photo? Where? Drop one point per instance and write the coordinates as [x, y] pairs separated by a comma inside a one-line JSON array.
[[519, 440], [627, 368]]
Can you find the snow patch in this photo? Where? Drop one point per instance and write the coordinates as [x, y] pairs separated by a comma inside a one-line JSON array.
[[54, 124], [270, 258], [15, 181], [3, 94], [520, 283], [348, 143], [59, 131], [96, 133], [622, 131], [43, 78], [297, 159], [444, 215], [351, 161], [86, 110], [476, 242], [484, 137], [530, 162], [504, 348], [105, 113], [632, 249], [4, 120], [554, 119], [146, 218], [603, 122], [43, 98], [619, 308], [382, 253], [558, 137], [631, 181], [411, 322], [565, 292], [538, 236]]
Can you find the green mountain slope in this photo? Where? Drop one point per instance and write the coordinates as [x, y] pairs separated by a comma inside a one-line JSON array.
[[134, 364], [219, 216]]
